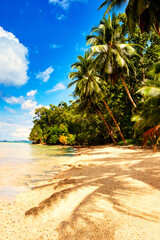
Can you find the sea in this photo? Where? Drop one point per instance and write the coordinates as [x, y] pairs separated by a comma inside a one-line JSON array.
[[24, 166]]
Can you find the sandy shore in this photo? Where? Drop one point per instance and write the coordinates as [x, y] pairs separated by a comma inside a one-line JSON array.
[[104, 193]]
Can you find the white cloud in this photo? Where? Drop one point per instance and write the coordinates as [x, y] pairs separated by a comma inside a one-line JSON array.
[[13, 60], [21, 133], [55, 46], [14, 131], [31, 93], [4, 124], [65, 3], [57, 87], [14, 100], [80, 48], [44, 76], [62, 3], [84, 34], [10, 110], [29, 105], [61, 17]]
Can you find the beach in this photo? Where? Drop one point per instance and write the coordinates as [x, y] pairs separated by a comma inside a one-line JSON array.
[[105, 192]]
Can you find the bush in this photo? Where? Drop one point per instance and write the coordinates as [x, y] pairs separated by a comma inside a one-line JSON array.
[[36, 134], [53, 135], [63, 139], [71, 139]]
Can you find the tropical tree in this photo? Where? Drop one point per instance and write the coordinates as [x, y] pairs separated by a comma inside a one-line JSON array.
[[155, 70], [143, 12], [89, 86], [148, 117], [110, 52], [149, 108], [68, 124], [36, 134]]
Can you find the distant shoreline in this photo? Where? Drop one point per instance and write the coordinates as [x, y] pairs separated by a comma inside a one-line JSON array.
[[15, 141]]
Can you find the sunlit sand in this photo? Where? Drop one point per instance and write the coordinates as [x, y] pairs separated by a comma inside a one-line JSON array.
[[104, 193]]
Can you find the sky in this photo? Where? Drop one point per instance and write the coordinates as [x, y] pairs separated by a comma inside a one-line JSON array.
[[39, 41]]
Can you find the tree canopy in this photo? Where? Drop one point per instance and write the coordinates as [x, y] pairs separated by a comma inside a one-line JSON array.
[[145, 13], [117, 90]]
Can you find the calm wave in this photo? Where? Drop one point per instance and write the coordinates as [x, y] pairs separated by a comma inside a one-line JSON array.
[[23, 165]]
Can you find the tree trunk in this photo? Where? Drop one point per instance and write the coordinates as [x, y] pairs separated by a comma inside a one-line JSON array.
[[157, 29], [143, 70], [106, 126], [158, 33], [114, 121], [128, 93]]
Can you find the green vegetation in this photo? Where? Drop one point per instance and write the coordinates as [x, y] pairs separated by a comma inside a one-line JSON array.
[[65, 124], [143, 12], [117, 87]]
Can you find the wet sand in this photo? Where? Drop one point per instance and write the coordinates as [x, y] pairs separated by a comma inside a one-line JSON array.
[[102, 193], [23, 166]]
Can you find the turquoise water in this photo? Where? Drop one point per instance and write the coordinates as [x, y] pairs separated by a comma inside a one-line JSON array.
[[23, 166]]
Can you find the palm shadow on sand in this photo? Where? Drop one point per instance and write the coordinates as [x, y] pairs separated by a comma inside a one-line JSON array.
[[115, 180]]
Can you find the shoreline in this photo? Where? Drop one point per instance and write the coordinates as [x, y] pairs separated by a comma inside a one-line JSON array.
[[105, 192], [23, 171]]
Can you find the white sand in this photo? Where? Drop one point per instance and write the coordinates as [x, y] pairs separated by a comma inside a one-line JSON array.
[[106, 193]]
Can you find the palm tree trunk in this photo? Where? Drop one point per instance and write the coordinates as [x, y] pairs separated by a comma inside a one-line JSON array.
[[114, 121], [128, 93], [100, 114], [157, 29], [143, 71]]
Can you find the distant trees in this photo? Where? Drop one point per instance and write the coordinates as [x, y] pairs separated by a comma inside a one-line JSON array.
[[66, 125]]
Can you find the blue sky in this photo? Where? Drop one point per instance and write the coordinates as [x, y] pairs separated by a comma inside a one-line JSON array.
[[39, 40]]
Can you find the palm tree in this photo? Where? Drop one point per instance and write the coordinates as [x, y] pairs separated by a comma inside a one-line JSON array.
[[149, 109], [110, 52], [89, 85], [148, 117], [143, 12], [89, 105]]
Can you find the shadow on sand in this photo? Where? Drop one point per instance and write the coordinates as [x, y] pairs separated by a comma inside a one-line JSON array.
[[114, 183]]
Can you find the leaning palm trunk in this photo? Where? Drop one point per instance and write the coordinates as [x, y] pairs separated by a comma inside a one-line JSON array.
[[158, 32], [128, 93], [114, 121], [143, 70], [100, 114]]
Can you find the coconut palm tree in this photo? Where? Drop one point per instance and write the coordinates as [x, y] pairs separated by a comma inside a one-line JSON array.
[[89, 85], [110, 53], [90, 106], [148, 117], [143, 12], [149, 109]]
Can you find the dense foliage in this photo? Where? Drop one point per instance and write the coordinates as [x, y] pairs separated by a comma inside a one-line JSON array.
[[66, 125], [117, 90], [143, 12]]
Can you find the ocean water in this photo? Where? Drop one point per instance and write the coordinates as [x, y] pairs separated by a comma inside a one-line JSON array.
[[23, 166]]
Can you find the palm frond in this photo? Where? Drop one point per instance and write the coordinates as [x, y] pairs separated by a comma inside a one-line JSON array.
[[149, 91]]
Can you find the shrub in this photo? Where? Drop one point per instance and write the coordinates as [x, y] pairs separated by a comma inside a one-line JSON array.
[[71, 139], [63, 139]]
